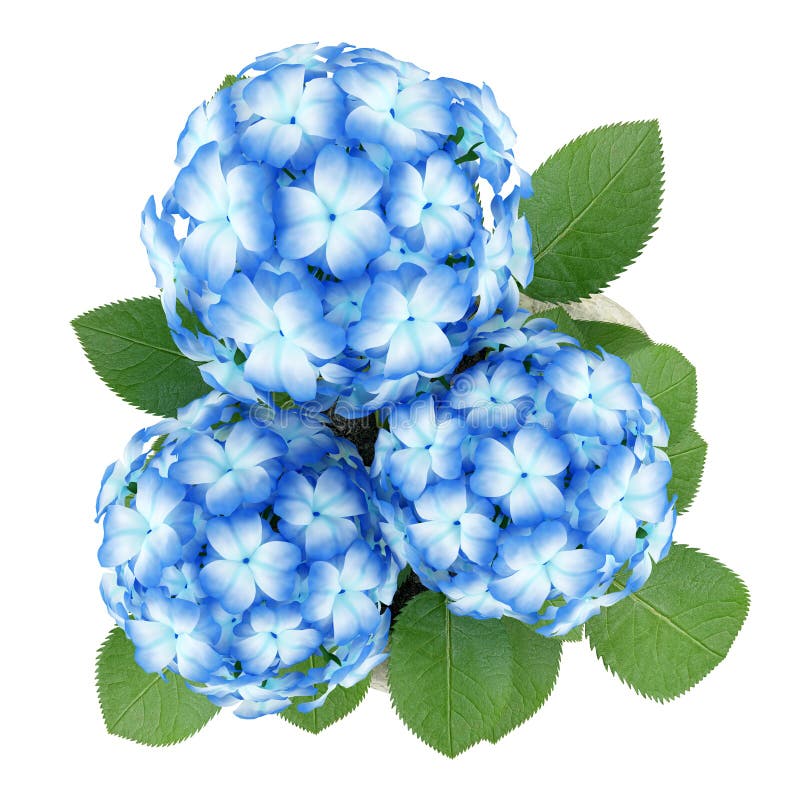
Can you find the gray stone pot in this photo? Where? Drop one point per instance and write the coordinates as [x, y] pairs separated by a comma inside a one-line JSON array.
[[597, 308]]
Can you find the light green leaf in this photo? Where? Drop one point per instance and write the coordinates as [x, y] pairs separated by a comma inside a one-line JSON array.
[[670, 381], [131, 349], [143, 706], [670, 634], [448, 675], [339, 703], [534, 669], [595, 204], [687, 456]]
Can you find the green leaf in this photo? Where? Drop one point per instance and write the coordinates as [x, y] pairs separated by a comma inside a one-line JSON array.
[[143, 706], [575, 635], [670, 634], [131, 349], [563, 321], [687, 456], [595, 204], [448, 675], [619, 340], [339, 703], [534, 669], [229, 80], [670, 380]]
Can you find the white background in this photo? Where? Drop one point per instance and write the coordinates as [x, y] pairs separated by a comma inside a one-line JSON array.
[[93, 98]]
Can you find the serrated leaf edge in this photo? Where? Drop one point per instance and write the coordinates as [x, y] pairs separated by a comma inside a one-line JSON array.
[[666, 699], [103, 711], [325, 727], [656, 219]]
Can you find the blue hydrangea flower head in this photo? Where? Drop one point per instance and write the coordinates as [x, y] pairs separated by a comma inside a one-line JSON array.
[[340, 227], [531, 484], [239, 546]]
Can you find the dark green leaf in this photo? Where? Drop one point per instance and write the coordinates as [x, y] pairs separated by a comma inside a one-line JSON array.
[[131, 349], [670, 381], [534, 669], [595, 204], [687, 456], [670, 634], [143, 706], [448, 675]]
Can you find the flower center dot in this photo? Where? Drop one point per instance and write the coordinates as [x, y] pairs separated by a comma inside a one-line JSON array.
[[331, 217], [426, 206], [315, 514], [524, 475], [410, 319], [457, 522], [292, 121], [245, 561], [391, 113]]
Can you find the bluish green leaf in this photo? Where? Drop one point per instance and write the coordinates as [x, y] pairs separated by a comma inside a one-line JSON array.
[[534, 669], [670, 634], [448, 675], [687, 456], [148, 708], [595, 204], [131, 349]]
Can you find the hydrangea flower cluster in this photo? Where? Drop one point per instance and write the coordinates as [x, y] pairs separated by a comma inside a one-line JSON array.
[[340, 227], [530, 484], [243, 555]]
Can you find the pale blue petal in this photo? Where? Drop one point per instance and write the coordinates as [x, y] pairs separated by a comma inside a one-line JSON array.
[[375, 84], [440, 297], [271, 142], [362, 569], [247, 213], [445, 230], [154, 643], [409, 471], [301, 222], [534, 499], [278, 365], [524, 591], [353, 614], [125, 530], [209, 252], [496, 469], [230, 582], [437, 541], [297, 646], [274, 566], [326, 537], [236, 537], [354, 239], [197, 660], [200, 460], [345, 183], [338, 496], [200, 188], [277, 94], [321, 109], [538, 453]]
